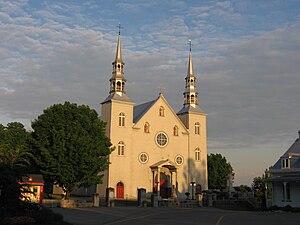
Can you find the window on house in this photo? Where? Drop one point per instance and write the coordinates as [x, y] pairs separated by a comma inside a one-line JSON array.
[[285, 163], [175, 130], [121, 147], [286, 191], [197, 128], [161, 111], [146, 127], [122, 119]]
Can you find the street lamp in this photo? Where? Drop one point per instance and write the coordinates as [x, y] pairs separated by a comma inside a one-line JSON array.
[[193, 185]]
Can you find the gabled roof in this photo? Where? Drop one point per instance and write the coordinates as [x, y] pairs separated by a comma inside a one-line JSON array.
[[115, 96], [33, 178], [293, 153], [140, 110], [189, 108], [165, 162]]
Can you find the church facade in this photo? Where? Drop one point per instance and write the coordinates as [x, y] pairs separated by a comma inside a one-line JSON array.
[[155, 148]]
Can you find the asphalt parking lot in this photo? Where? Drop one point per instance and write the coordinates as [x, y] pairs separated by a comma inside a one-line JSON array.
[[174, 216]]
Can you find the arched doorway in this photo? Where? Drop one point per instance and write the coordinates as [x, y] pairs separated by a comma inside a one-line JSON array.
[[120, 190]]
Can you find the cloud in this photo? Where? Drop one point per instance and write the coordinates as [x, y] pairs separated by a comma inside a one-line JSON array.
[[247, 83]]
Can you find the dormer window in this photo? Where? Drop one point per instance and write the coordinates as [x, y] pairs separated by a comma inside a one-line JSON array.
[[161, 111], [285, 163]]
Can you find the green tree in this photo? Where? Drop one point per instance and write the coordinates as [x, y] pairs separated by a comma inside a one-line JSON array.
[[218, 171], [15, 145], [260, 189], [71, 145]]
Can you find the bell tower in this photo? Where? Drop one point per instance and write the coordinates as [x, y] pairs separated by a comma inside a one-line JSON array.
[[194, 119], [117, 81], [190, 94]]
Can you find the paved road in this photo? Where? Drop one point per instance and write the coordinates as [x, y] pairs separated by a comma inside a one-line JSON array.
[[174, 216]]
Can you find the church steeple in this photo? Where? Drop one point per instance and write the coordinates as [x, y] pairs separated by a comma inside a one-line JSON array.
[[117, 81], [190, 93]]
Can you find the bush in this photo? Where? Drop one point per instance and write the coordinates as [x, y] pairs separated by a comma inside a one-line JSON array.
[[43, 215]]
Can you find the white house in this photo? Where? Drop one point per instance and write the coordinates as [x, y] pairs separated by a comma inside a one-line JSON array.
[[285, 177]]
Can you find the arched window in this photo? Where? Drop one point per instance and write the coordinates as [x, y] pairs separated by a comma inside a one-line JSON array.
[[123, 86], [122, 119], [175, 130], [121, 148], [120, 190], [146, 127], [161, 111], [197, 128], [192, 99], [197, 154], [119, 87]]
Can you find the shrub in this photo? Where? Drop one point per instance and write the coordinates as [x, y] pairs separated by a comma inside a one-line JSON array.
[[43, 215]]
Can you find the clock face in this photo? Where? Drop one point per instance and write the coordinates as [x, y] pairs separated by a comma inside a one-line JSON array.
[[161, 139]]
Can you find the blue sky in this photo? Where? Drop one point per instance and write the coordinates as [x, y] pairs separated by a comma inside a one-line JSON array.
[[246, 57]]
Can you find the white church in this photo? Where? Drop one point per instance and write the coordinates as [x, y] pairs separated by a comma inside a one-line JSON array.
[[156, 148]]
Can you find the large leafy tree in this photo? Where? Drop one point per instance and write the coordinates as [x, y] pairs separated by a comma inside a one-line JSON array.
[[71, 145], [219, 171]]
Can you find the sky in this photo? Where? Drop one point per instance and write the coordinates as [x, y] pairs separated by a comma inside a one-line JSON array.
[[246, 57]]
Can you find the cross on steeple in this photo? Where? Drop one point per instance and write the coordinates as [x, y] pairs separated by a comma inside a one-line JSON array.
[[190, 44], [161, 87], [120, 27]]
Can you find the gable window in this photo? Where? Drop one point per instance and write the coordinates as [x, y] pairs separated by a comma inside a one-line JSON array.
[[161, 139], [146, 127], [161, 111], [197, 154], [285, 163], [122, 119], [175, 130], [197, 128], [121, 148]]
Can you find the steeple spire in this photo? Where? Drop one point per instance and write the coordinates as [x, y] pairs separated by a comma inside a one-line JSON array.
[[190, 67], [117, 81], [119, 52], [190, 94]]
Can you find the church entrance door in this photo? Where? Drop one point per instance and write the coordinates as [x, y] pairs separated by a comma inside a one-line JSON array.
[[165, 185], [120, 190]]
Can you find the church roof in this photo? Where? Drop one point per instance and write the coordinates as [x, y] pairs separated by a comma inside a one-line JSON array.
[[115, 96], [190, 108], [140, 110]]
